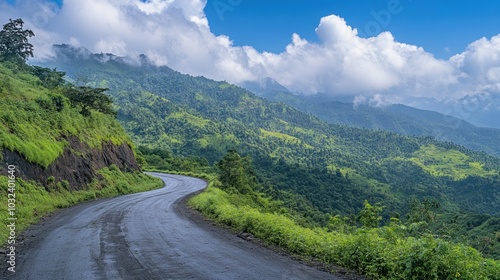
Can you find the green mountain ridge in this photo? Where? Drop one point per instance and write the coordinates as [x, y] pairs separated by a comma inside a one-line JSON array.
[[395, 118], [334, 167]]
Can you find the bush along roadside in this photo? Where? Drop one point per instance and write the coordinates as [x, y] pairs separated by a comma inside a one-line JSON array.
[[379, 253]]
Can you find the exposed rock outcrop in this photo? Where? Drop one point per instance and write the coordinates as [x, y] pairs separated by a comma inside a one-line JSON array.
[[78, 164]]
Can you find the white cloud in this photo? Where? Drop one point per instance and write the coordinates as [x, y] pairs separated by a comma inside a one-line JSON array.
[[177, 33], [153, 6], [173, 32], [344, 63], [479, 65], [111, 45], [334, 29]]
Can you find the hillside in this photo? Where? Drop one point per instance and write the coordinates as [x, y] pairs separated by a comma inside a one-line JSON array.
[[52, 155], [399, 119], [480, 109], [332, 167]]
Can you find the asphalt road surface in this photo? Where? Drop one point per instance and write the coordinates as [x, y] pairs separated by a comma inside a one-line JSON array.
[[149, 236]]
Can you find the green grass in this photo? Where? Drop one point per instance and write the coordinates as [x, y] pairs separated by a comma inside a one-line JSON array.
[[31, 124], [193, 120], [442, 162], [285, 137], [33, 201], [379, 253]]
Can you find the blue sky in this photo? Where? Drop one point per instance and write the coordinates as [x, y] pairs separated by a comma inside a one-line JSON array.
[[375, 51], [443, 28]]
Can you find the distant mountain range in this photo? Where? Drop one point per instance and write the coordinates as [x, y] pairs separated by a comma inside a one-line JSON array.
[[481, 109], [399, 118]]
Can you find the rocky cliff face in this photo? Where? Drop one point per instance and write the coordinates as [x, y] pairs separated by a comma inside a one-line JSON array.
[[78, 164]]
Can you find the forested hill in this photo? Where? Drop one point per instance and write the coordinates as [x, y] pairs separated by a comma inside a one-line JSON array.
[[394, 118], [315, 166]]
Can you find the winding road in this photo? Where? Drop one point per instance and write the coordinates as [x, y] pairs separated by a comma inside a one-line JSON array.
[[146, 235]]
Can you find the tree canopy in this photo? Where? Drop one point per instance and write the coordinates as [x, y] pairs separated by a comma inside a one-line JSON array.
[[236, 172], [14, 41], [50, 78], [87, 98]]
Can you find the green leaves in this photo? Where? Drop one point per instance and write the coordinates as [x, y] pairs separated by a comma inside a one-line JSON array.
[[14, 41], [236, 173], [370, 216], [423, 211], [49, 78], [378, 253], [87, 98]]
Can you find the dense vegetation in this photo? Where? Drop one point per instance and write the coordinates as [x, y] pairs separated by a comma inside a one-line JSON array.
[[394, 118], [317, 170], [380, 253], [395, 251], [36, 118]]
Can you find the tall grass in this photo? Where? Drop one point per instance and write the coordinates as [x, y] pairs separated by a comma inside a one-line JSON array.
[[33, 123], [379, 253]]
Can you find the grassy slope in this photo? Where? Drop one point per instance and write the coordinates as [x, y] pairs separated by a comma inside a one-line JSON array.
[[442, 162], [31, 125]]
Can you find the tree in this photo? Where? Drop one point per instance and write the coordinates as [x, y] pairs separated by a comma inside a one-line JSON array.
[[423, 211], [370, 216], [236, 172], [14, 41], [49, 78], [88, 98]]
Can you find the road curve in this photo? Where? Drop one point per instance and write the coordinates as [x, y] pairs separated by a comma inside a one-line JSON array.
[[146, 236]]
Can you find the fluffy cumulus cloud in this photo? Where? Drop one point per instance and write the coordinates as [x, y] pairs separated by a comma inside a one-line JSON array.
[[171, 32], [176, 33], [343, 63], [480, 65]]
